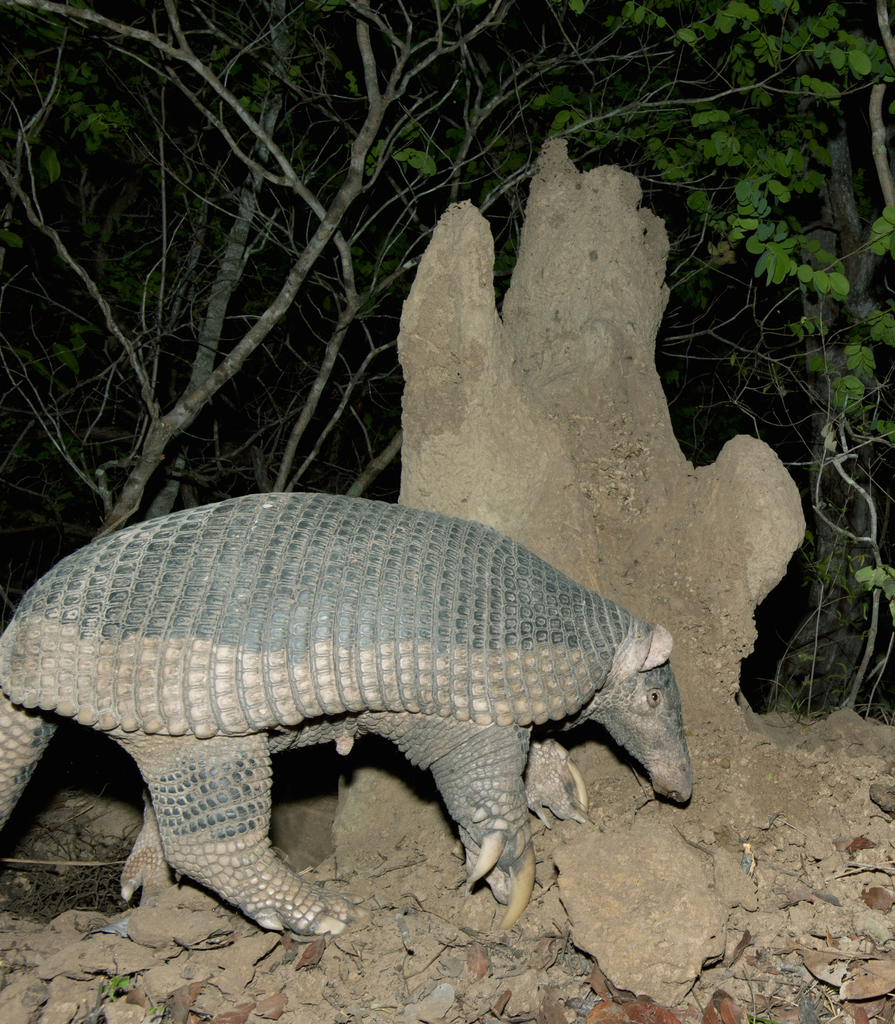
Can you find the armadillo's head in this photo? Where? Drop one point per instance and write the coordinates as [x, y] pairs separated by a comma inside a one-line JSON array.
[[641, 707]]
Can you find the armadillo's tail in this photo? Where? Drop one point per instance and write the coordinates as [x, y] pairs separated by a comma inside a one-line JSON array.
[[23, 737]]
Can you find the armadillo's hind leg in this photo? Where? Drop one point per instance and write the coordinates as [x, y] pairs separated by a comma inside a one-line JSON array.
[[24, 735], [146, 867], [212, 802]]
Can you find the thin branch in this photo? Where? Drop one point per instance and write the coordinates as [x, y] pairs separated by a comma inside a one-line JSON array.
[[340, 408], [878, 143], [375, 466], [66, 257]]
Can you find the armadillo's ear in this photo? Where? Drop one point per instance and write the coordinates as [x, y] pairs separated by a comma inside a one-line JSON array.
[[659, 649], [644, 651]]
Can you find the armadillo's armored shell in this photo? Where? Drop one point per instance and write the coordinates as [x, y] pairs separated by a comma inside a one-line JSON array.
[[271, 609]]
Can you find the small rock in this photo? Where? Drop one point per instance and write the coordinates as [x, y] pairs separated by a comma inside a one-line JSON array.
[[60, 1013], [645, 905], [450, 966], [883, 796], [20, 999], [121, 1012], [157, 926], [433, 1007]]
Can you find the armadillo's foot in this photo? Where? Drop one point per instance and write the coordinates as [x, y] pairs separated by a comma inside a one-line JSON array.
[[480, 778], [512, 887], [212, 806], [146, 866], [305, 909], [552, 780]]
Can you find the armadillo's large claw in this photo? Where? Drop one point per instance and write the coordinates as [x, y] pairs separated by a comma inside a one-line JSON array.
[[580, 787], [489, 855], [522, 881], [325, 923], [271, 920]]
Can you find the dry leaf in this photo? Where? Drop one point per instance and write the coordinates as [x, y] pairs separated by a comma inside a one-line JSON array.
[[740, 946], [501, 1004], [869, 980], [312, 954], [829, 967], [878, 898], [239, 1014], [727, 1009], [599, 983], [136, 995], [861, 843], [605, 989], [180, 1001], [710, 1014], [794, 893], [637, 1011], [551, 1010], [545, 954], [477, 962], [861, 1015], [272, 1007]]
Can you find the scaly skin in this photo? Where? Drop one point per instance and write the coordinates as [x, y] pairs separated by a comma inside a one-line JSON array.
[[551, 780], [202, 639], [212, 804], [24, 738]]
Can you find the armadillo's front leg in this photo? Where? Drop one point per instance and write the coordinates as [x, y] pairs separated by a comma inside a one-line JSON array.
[[478, 770], [552, 780], [212, 802]]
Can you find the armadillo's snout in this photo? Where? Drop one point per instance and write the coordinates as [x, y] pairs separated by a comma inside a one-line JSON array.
[[675, 783]]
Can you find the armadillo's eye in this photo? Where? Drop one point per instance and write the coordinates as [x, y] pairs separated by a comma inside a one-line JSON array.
[[654, 698]]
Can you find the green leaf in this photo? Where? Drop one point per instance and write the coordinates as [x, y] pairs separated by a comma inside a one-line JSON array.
[[822, 281], [881, 577], [839, 284], [737, 9], [805, 273], [50, 163], [66, 357], [686, 35], [782, 268], [418, 159], [10, 239], [743, 191], [859, 62]]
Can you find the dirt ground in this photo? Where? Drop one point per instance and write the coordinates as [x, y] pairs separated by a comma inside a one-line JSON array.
[[782, 840]]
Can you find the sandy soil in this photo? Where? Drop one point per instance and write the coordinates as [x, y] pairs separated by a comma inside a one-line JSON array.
[[664, 896]]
